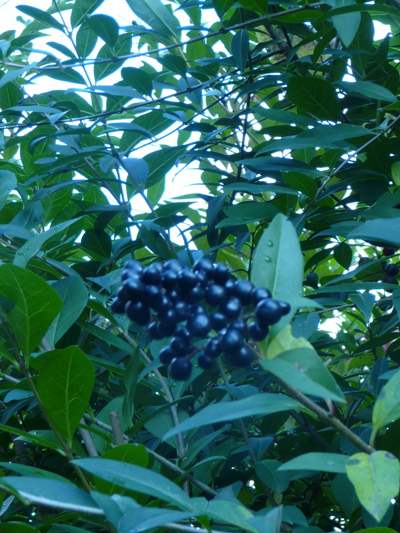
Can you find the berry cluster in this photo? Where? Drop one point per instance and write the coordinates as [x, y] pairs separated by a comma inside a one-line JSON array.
[[189, 304]]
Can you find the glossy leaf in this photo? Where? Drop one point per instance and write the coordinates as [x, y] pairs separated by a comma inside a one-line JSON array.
[[104, 27], [376, 480], [347, 24], [35, 305], [81, 9], [8, 182], [240, 49], [315, 95], [65, 384], [320, 462], [387, 405], [41, 16], [156, 15], [138, 79]]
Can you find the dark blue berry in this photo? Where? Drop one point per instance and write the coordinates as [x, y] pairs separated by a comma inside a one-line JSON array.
[[285, 307], [392, 270], [173, 296], [241, 358], [197, 309], [260, 293], [230, 287], [169, 280], [213, 347], [220, 273], [232, 308], [268, 312], [232, 341], [133, 266], [244, 291], [152, 274], [180, 368], [205, 361], [205, 265], [240, 325], [138, 312], [202, 278], [117, 306], [187, 280], [218, 321], [154, 331], [162, 306], [194, 295], [173, 264], [153, 296], [182, 331], [166, 355], [168, 323], [215, 295], [388, 251], [257, 333], [132, 289], [179, 346], [182, 310], [199, 325]]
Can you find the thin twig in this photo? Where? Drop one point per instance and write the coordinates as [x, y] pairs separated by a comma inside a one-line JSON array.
[[116, 428], [87, 440]]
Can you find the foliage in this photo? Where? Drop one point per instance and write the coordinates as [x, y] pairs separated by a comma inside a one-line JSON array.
[[286, 117]]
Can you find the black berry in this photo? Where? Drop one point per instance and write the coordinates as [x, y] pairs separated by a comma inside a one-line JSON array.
[[213, 347], [205, 361], [220, 273], [206, 265], [138, 312], [117, 306], [244, 290], [169, 279], [388, 251], [179, 346], [260, 293], [166, 355], [232, 341], [215, 295], [187, 279], [218, 321], [182, 310], [173, 264], [180, 368], [153, 296], [285, 307], [242, 358], [257, 333], [392, 270], [154, 331], [194, 295], [152, 274], [268, 312], [133, 266], [232, 308], [240, 325], [132, 289], [199, 325]]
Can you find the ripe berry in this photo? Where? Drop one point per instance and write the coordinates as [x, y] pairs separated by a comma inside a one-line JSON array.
[[213, 347], [242, 358], [152, 296], [240, 325], [243, 290], [133, 266], [312, 280], [215, 295], [199, 325], [230, 287], [198, 309], [168, 323], [218, 321], [220, 273], [388, 251], [173, 296], [285, 307], [232, 341], [268, 312], [179, 347], [260, 293], [163, 306], [392, 270], [132, 289], [169, 279], [257, 333], [182, 331], [206, 265], [202, 278], [173, 264], [138, 312], [152, 274], [232, 308], [187, 279], [195, 295], [166, 355], [389, 279], [154, 331], [180, 368], [182, 310], [117, 306], [205, 361]]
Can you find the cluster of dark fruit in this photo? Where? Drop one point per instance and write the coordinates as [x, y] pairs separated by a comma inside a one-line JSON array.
[[189, 304], [391, 270]]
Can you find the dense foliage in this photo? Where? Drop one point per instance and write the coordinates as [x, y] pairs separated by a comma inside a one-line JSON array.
[[262, 137]]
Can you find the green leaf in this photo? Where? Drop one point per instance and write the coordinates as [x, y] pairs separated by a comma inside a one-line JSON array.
[[222, 6], [147, 518], [68, 75], [305, 184], [270, 474], [51, 493], [8, 182], [174, 63], [343, 255], [121, 48], [259, 6], [10, 95], [247, 212], [347, 24], [105, 27], [157, 16], [369, 90], [303, 369], [315, 95], [278, 264], [240, 49], [258, 404], [376, 480], [65, 384], [137, 478], [138, 79], [32, 471], [318, 461], [395, 172], [387, 405], [86, 40], [160, 162], [81, 9], [41, 16], [34, 245], [345, 494], [74, 296], [365, 303], [97, 244], [36, 305], [383, 230]]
